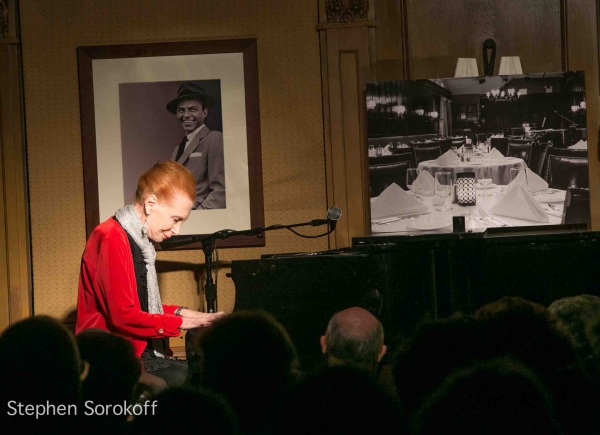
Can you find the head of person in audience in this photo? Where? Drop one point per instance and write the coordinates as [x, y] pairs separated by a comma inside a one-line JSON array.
[[250, 358], [41, 366], [436, 349], [41, 358], [188, 411], [527, 331], [114, 369], [339, 400], [354, 337], [501, 396], [576, 316]]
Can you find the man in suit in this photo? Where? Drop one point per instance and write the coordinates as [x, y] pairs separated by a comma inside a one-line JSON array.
[[201, 150]]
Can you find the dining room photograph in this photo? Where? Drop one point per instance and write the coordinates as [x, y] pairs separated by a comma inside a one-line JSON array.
[[501, 151]]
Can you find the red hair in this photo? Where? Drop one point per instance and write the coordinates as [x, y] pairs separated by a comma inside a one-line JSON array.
[[165, 180]]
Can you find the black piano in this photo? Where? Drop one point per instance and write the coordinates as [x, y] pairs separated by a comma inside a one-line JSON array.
[[405, 280]]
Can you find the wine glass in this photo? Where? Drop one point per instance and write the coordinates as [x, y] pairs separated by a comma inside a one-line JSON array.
[[484, 177], [455, 152], [411, 175], [514, 173], [443, 188], [485, 151]]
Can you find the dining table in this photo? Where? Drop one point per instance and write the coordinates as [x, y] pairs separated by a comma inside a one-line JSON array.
[[500, 168], [478, 217]]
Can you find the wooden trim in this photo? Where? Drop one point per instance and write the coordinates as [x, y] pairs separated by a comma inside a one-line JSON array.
[[321, 26], [564, 35], [405, 46], [322, 11], [4, 251], [345, 63], [329, 186], [598, 42], [13, 19], [15, 259]]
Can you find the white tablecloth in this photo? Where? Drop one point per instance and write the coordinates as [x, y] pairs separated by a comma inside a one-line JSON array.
[[500, 170], [472, 215]]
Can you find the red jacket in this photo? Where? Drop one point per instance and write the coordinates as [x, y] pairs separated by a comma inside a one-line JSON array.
[[107, 296]]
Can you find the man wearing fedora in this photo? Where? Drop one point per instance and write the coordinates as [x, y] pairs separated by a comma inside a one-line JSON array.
[[201, 150]]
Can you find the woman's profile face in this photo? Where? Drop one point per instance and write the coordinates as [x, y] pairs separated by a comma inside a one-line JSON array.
[[165, 219]]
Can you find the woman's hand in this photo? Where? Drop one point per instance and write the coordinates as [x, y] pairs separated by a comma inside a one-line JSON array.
[[195, 319]]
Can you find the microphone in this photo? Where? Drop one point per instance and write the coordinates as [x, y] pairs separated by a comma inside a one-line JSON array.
[[333, 214], [175, 241]]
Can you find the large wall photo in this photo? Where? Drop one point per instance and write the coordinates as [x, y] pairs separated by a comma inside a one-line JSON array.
[[501, 151]]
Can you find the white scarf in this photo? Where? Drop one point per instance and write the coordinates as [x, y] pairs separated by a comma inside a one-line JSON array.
[[131, 223]]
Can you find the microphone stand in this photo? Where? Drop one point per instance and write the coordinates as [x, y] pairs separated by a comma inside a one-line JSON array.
[[209, 242], [573, 123], [193, 355]]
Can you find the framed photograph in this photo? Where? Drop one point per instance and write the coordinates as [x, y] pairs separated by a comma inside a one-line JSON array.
[[192, 102], [501, 151]]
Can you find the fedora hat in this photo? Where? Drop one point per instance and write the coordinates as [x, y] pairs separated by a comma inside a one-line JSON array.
[[191, 91]]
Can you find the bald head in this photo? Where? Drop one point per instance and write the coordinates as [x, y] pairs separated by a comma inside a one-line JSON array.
[[356, 322], [354, 337]]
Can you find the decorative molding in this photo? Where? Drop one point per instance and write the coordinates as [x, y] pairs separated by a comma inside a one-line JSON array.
[[405, 46], [346, 25], [3, 19], [564, 36], [345, 11], [598, 47]]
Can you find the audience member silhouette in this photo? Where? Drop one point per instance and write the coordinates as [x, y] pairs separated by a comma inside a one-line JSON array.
[[527, 331], [576, 317], [113, 374], [354, 337], [339, 400], [530, 332], [436, 350], [501, 397], [250, 358], [42, 368], [187, 411]]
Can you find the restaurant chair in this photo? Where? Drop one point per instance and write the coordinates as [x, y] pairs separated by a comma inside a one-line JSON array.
[[538, 156], [482, 137], [520, 150], [557, 137], [405, 156], [458, 142], [444, 144], [501, 144], [373, 141], [521, 141], [383, 175], [423, 144], [517, 131], [426, 153], [577, 206], [564, 168]]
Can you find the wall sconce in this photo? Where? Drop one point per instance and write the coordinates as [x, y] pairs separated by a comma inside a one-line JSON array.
[[510, 65], [420, 112], [582, 105], [466, 67], [371, 104], [434, 114], [574, 109]]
